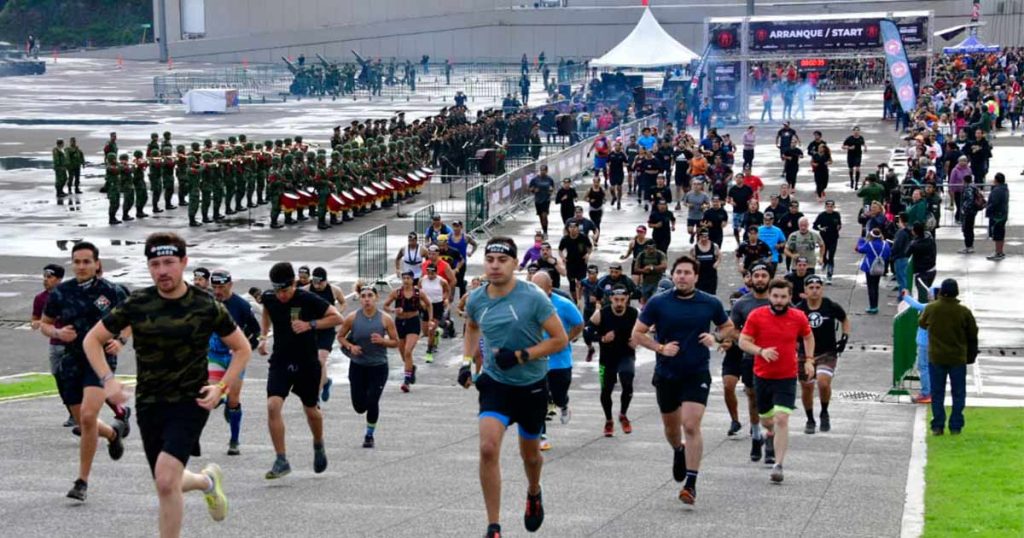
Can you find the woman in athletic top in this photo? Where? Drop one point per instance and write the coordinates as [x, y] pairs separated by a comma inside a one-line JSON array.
[[708, 255], [408, 303], [436, 291]]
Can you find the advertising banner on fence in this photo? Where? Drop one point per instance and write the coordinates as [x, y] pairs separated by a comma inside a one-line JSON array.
[[899, 68], [725, 83], [824, 35]]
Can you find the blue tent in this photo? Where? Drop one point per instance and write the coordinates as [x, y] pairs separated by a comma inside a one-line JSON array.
[[971, 45]]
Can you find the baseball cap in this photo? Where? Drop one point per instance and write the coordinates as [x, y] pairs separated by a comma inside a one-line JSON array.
[[53, 269], [319, 274], [304, 270]]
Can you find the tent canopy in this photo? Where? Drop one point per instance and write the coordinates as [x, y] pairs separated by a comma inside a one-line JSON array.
[[971, 45], [648, 45]]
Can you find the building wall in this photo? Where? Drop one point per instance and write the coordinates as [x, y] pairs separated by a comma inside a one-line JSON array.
[[265, 30]]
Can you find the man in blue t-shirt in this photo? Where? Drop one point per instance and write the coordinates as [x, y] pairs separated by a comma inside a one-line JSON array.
[[647, 141], [681, 320], [510, 317], [773, 236], [560, 363]]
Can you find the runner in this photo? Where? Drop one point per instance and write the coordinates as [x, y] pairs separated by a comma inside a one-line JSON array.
[[219, 353], [636, 246], [201, 278], [741, 367], [595, 199], [601, 149], [409, 304], [365, 335], [590, 296], [171, 324], [681, 320], [618, 161], [770, 335], [466, 245], [651, 263], [575, 249], [611, 326], [854, 146], [709, 256], [506, 320], [560, 363], [295, 315], [828, 223], [541, 187], [435, 290], [822, 313], [333, 295], [303, 281], [77, 305], [53, 274], [410, 258]]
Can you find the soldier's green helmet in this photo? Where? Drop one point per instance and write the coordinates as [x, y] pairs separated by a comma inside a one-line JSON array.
[[124, 156], [228, 152], [288, 159], [137, 153], [207, 142], [167, 134], [181, 148], [232, 140], [288, 141], [111, 156], [154, 153], [298, 139], [153, 136], [335, 155], [242, 139], [268, 144], [166, 150], [195, 146], [207, 155]]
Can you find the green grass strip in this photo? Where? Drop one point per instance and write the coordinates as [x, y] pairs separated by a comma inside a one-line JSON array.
[[975, 481], [15, 387]]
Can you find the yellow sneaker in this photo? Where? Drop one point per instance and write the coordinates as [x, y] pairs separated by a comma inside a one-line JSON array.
[[216, 501]]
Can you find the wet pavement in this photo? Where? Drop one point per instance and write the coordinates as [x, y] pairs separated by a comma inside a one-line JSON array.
[[422, 477]]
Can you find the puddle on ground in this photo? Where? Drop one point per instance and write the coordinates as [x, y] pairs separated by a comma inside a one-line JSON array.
[[22, 163], [100, 121]]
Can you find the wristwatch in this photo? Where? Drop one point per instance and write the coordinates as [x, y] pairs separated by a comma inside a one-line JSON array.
[[312, 324]]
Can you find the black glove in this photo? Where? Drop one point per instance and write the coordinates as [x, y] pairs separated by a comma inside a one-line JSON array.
[[841, 345], [506, 358], [464, 375]]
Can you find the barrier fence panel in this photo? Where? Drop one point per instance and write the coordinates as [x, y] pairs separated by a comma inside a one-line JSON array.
[[421, 219], [373, 254], [476, 207], [904, 349]]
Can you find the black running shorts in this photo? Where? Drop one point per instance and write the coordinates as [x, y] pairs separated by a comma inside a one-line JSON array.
[[173, 428], [407, 326], [775, 396], [302, 380], [671, 393], [511, 404]]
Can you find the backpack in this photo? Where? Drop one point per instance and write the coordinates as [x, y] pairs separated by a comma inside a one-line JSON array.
[[878, 264], [979, 199]]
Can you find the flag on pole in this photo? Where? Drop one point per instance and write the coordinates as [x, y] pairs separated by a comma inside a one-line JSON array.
[[898, 66]]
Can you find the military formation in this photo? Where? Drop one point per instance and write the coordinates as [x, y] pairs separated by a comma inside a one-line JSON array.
[[369, 165]]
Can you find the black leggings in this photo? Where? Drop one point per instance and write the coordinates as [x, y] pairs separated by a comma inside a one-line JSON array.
[[820, 180], [367, 384], [829, 260], [608, 385], [596, 217], [559, 380]]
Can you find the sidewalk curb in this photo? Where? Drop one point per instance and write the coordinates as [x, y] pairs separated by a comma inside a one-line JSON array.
[[912, 525]]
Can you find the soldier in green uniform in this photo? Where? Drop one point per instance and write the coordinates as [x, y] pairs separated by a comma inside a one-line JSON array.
[[350, 78], [181, 170], [139, 184], [166, 142], [251, 163], [228, 180], [112, 186], [75, 159], [154, 143], [323, 191], [298, 181], [168, 178], [209, 186], [124, 183], [192, 168], [155, 178], [275, 188], [60, 168], [242, 178]]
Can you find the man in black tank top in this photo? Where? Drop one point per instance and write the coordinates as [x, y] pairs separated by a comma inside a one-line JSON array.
[[611, 326], [333, 295]]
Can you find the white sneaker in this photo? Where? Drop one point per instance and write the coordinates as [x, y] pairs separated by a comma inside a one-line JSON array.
[[566, 415], [965, 250]]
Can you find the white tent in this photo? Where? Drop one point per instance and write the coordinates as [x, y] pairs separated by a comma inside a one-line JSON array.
[[648, 45]]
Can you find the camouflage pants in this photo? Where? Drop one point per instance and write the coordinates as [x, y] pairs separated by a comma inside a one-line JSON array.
[[60, 178], [140, 195], [168, 185]]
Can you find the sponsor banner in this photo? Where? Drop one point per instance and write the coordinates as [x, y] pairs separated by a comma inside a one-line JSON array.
[[725, 83], [898, 66], [829, 35]]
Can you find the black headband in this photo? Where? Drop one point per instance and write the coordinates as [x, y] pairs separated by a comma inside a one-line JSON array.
[[501, 248], [281, 285], [220, 278], [813, 279], [157, 251], [760, 267]]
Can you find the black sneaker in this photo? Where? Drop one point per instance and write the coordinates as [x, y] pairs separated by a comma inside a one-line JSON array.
[[279, 469], [810, 427], [755, 449], [233, 449], [493, 531], [769, 450], [679, 464], [77, 491], [76, 431], [826, 424], [319, 459], [534, 516], [368, 441], [115, 447], [125, 420], [70, 422], [734, 428]]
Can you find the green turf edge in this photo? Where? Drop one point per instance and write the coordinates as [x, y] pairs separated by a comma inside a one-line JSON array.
[[975, 481]]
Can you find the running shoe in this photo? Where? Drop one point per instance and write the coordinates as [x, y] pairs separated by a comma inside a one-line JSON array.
[[566, 415], [965, 250], [826, 424], [429, 357], [325, 394], [438, 332], [368, 441], [688, 495], [755, 449], [769, 450], [76, 431], [590, 354], [810, 427], [125, 420], [996, 257], [627, 427], [552, 411], [493, 531], [216, 501], [777, 473], [404, 386], [545, 445], [233, 449], [78, 491], [534, 516], [280, 468], [926, 399], [679, 463], [115, 447], [319, 459], [609, 428], [734, 428], [70, 422]]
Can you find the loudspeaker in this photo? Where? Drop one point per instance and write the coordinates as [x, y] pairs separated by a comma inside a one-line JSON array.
[[487, 161]]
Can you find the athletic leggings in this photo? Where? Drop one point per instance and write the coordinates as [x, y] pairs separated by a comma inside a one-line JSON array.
[[829, 260], [608, 385], [820, 180], [367, 384], [559, 380]]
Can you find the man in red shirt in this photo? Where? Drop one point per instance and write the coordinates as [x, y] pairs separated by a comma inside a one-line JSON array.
[[752, 181], [770, 335]]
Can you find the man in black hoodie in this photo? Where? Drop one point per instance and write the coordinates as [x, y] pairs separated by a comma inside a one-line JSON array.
[[922, 252]]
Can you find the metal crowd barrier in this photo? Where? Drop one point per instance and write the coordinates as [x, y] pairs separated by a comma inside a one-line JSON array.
[[373, 254]]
